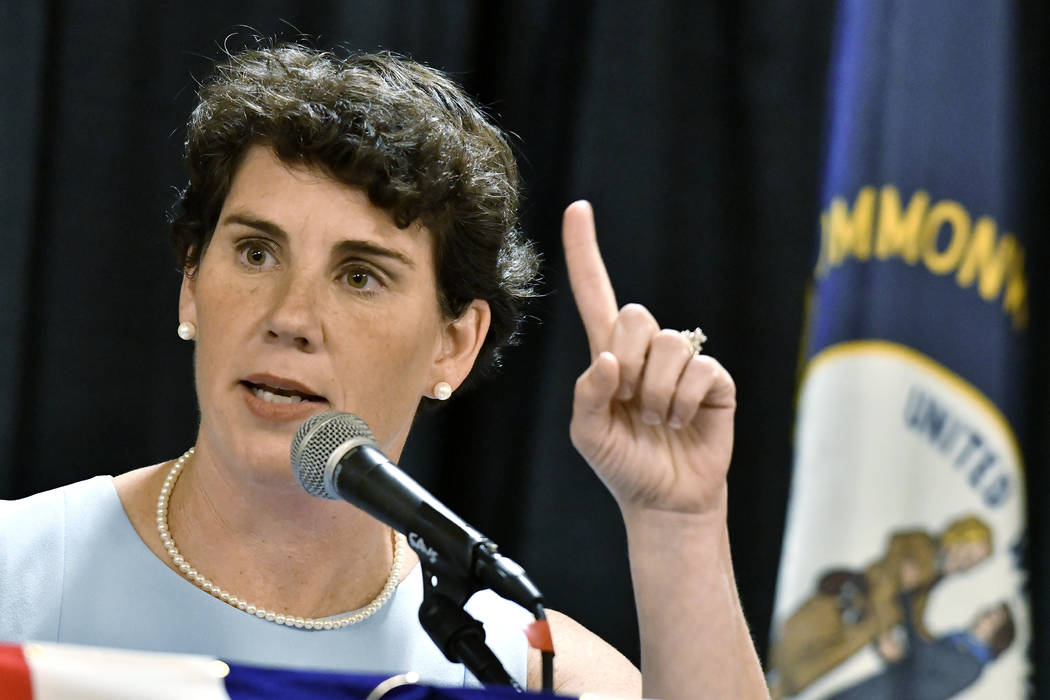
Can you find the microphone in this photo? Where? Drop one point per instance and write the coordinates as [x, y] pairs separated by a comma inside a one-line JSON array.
[[334, 455]]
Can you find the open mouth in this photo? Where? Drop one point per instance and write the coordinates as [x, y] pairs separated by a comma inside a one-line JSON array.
[[281, 395]]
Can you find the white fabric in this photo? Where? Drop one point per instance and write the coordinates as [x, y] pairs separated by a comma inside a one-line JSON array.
[[62, 672]]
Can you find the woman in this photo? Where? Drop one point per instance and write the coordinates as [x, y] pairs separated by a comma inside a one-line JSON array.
[[349, 242]]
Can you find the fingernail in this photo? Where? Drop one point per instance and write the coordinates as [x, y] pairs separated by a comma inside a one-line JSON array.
[[650, 418], [673, 423]]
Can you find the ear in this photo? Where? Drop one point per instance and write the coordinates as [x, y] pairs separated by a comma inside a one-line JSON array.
[[461, 341], [187, 298]]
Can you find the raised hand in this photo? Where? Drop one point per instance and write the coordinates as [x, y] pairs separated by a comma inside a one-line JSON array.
[[656, 424], [654, 421]]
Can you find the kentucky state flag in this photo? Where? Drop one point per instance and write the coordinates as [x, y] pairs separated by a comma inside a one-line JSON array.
[[902, 571]]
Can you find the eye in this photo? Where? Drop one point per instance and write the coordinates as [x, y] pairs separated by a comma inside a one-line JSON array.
[[362, 279], [256, 254], [358, 280]]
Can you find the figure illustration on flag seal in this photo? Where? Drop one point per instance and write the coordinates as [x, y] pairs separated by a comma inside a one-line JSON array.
[[879, 605], [939, 668]]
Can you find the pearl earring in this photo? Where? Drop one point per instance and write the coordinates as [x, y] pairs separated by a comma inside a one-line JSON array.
[[442, 390], [187, 331]]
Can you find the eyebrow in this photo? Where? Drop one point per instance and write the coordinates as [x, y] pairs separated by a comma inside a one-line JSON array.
[[343, 248]]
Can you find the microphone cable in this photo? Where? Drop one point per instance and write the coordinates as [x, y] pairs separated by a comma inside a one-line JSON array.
[[539, 636]]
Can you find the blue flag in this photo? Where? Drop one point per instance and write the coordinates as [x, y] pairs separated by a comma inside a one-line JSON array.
[[902, 574]]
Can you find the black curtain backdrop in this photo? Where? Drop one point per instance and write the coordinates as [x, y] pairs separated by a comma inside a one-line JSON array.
[[694, 128]]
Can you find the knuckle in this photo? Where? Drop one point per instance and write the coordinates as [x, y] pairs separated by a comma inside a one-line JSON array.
[[668, 339], [580, 385], [637, 315], [707, 365], [729, 381], [718, 374]]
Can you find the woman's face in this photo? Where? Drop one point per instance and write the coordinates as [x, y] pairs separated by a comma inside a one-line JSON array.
[[310, 298]]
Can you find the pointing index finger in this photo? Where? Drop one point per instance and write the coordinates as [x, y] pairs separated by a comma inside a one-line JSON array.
[[591, 288]]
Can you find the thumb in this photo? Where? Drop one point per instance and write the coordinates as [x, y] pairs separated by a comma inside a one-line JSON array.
[[591, 406]]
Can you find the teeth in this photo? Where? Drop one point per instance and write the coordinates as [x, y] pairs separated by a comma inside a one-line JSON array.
[[275, 398]]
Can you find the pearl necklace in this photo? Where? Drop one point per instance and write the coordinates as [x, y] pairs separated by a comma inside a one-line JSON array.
[[308, 623]]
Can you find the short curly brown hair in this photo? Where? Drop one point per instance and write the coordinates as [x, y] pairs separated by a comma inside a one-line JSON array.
[[403, 132]]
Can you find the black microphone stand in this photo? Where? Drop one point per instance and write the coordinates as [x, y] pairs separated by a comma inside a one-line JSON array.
[[459, 636]]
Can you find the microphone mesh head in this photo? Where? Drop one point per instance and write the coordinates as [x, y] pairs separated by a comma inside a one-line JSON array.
[[315, 441]]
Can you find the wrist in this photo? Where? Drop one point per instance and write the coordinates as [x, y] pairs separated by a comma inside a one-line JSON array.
[[643, 519]]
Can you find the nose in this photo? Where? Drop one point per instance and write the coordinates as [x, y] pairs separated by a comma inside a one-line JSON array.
[[293, 317]]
